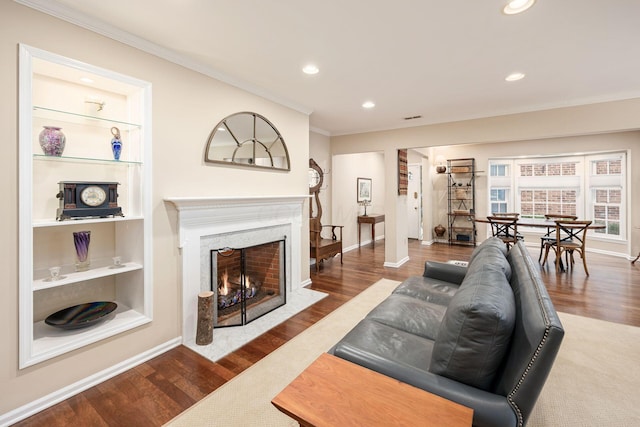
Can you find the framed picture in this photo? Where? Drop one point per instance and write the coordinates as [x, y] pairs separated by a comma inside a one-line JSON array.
[[364, 190]]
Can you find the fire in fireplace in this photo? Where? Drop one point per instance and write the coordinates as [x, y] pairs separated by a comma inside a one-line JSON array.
[[247, 282]]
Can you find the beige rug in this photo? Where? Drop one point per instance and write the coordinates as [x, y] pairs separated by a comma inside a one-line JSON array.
[[593, 383]]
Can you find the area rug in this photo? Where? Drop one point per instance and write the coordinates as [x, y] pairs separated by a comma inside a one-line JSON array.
[[593, 382]]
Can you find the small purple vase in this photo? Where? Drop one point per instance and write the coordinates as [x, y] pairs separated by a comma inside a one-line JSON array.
[[81, 240], [52, 141]]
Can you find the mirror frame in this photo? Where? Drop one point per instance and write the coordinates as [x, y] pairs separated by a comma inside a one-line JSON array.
[[313, 166], [255, 118]]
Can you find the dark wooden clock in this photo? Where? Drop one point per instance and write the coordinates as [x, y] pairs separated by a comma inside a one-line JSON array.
[[87, 199]]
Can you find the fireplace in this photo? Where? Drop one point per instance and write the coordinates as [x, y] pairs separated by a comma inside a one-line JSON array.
[[207, 223], [247, 282]]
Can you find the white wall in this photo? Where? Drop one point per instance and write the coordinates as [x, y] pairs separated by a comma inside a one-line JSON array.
[[346, 169], [585, 129], [186, 105], [620, 141]]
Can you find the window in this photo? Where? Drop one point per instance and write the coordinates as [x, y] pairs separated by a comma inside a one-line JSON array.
[[499, 200], [499, 170], [606, 182], [590, 187]]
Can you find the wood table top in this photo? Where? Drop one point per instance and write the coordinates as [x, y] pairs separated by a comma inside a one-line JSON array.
[[335, 392], [539, 223]]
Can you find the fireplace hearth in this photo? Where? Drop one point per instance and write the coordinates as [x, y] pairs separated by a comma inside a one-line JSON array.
[[247, 282]]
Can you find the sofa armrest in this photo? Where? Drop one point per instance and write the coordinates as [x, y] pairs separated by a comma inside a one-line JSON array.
[[444, 271], [489, 410]]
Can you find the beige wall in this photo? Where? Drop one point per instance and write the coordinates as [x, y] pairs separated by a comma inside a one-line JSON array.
[[346, 171], [621, 141], [186, 105], [585, 129]]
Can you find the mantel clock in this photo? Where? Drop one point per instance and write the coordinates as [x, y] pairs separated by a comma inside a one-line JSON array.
[[87, 199]]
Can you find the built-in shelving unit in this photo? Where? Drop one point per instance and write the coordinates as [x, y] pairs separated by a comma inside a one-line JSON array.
[[461, 197], [51, 93]]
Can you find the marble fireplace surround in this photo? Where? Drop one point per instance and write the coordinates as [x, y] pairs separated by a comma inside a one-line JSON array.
[[207, 221]]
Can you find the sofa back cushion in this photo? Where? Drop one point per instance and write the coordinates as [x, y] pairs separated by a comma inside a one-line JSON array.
[[476, 329], [491, 251], [491, 242]]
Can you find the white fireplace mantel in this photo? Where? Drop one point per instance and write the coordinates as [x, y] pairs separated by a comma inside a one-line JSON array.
[[234, 212], [199, 217]]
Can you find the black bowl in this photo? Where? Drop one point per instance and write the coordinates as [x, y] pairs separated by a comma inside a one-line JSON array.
[[81, 316]]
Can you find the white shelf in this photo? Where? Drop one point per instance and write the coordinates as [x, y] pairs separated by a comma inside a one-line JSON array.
[[84, 160], [53, 223], [81, 276], [48, 97], [49, 341], [82, 119]]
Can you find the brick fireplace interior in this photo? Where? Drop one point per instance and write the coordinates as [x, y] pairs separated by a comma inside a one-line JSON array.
[[247, 282]]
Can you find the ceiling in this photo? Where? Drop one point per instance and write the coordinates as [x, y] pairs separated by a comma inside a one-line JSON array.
[[441, 60]]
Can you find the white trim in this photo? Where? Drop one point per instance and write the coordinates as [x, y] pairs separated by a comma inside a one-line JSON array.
[[209, 216], [396, 264], [68, 14], [64, 393], [591, 250], [320, 131]]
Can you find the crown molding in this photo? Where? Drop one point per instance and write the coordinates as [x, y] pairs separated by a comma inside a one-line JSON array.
[[67, 14], [320, 131]]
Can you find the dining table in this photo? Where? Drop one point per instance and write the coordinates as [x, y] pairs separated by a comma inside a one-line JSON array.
[[540, 223]]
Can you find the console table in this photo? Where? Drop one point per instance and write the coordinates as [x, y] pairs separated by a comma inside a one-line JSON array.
[[335, 392], [372, 219]]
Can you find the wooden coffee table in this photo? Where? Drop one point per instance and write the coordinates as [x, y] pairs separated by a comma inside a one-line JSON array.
[[335, 392]]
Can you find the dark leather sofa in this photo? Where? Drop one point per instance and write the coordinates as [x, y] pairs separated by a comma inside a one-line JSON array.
[[485, 336]]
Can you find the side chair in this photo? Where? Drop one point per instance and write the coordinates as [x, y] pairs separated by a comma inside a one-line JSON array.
[[571, 236], [506, 214], [505, 228], [550, 236]]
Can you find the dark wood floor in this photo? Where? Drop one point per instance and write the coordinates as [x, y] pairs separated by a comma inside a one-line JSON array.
[[156, 391]]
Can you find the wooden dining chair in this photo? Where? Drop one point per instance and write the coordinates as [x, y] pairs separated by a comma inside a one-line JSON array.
[[506, 214], [505, 228], [571, 237], [550, 235]]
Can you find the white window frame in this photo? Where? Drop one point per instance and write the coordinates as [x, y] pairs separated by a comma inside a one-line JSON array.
[[585, 182], [619, 182]]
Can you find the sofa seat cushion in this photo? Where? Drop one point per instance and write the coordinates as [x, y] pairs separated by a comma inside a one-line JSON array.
[[409, 314], [372, 342], [476, 329], [427, 289]]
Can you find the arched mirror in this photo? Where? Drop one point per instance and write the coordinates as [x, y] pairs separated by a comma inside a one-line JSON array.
[[247, 139]]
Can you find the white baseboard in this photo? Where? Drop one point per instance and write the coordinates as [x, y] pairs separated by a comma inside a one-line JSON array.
[[64, 393], [396, 264]]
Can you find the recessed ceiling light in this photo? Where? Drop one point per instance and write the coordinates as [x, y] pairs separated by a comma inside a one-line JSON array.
[[221, 129], [86, 80], [517, 6], [310, 69], [368, 104], [514, 77]]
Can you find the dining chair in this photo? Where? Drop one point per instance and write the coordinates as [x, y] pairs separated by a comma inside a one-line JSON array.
[[571, 237], [506, 214], [505, 228], [550, 236]]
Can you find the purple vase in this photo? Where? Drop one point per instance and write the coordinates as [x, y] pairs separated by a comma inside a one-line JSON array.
[[81, 241], [52, 141]]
